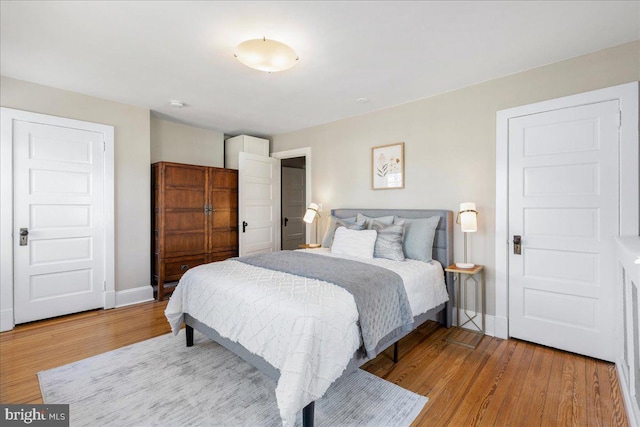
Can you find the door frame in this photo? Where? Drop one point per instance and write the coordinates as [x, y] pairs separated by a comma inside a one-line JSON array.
[[306, 153], [7, 116], [629, 220]]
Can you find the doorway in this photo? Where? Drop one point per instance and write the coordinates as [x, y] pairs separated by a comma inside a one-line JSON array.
[[304, 153], [293, 202]]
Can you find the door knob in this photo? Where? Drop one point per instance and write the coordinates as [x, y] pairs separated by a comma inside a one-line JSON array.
[[286, 220], [244, 226], [517, 242], [24, 232]]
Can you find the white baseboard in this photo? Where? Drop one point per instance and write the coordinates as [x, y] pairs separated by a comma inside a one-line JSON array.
[[6, 320], [109, 299], [134, 296], [501, 327], [633, 411]]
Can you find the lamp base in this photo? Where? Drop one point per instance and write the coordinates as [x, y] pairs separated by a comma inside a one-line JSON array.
[[465, 265]]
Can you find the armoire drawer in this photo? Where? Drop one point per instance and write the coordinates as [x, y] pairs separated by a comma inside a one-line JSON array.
[[221, 256], [174, 268]]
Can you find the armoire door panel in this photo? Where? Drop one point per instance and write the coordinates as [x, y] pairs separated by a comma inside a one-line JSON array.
[[222, 219], [184, 199], [184, 221], [185, 176], [184, 243], [221, 240], [225, 179], [221, 199]]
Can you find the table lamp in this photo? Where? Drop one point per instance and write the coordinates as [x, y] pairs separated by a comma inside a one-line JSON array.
[[309, 216], [468, 220]]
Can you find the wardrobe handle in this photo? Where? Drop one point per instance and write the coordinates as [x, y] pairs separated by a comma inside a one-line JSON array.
[[286, 220], [244, 226]]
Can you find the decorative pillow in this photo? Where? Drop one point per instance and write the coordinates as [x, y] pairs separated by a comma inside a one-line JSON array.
[[331, 228], [386, 220], [355, 243], [389, 241], [358, 225], [334, 223], [418, 237]]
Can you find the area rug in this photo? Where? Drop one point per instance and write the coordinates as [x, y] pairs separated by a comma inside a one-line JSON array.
[[161, 382]]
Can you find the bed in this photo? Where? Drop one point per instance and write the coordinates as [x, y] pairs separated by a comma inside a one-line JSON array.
[[324, 340]]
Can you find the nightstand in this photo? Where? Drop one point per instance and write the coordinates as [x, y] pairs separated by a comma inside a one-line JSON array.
[[463, 277], [309, 245]]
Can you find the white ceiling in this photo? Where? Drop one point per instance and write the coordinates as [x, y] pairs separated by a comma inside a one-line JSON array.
[[146, 53]]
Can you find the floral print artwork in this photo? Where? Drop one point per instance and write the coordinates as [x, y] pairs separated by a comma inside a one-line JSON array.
[[388, 166]]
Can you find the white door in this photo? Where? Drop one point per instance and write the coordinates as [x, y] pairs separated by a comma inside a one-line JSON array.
[[59, 266], [563, 202], [258, 204], [293, 207]]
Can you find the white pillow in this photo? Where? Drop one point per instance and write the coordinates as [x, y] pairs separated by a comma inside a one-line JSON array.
[[355, 243]]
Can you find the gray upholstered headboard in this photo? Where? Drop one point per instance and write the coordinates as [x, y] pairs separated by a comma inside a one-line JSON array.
[[442, 243]]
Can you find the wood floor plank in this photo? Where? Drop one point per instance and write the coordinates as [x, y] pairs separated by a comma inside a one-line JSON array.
[[534, 391], [593, 399], [504, 382], [509, 403], [617, 404], [565, 408], [475, 403], [501, 382], [554, 390]]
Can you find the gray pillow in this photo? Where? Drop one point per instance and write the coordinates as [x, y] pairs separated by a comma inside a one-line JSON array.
[[389, 241], [418, 237], [386, 220], [334, 222]]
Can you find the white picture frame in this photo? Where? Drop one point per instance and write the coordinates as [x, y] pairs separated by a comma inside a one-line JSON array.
[[387, 167]]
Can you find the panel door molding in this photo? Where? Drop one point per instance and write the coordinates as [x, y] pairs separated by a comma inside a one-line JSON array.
[[567, 224], [65, 196]]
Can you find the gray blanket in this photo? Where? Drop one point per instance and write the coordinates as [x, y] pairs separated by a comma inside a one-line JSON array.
[[379, 293]]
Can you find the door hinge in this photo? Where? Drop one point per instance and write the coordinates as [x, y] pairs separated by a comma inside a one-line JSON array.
[[104, 285], [104, 145], [619, 119]]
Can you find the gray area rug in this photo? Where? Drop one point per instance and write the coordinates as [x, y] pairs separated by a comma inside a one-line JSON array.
[[161, 382]]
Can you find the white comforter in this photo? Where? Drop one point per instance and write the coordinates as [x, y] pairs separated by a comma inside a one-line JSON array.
[[306, 328]]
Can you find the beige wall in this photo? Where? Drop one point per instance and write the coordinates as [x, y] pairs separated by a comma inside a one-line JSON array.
[[131, 163], [174, 142], [449, 144]]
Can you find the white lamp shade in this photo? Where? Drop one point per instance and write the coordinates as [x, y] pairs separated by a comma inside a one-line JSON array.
[[310, 215], [468, 217], [266, 55]]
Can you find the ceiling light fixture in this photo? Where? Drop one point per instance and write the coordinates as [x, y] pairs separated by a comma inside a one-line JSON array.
[[266, 55], [176, 104]]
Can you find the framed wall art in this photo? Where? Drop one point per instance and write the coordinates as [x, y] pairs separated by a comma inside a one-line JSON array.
[[387, 167]]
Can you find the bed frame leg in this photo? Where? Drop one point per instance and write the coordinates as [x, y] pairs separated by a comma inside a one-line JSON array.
[[189, 331], [307, 415], [395, 353]]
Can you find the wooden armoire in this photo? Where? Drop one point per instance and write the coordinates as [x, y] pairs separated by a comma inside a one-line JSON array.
[[194, 219]]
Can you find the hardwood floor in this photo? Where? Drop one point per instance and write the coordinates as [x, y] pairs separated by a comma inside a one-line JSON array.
[[500, 383]]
